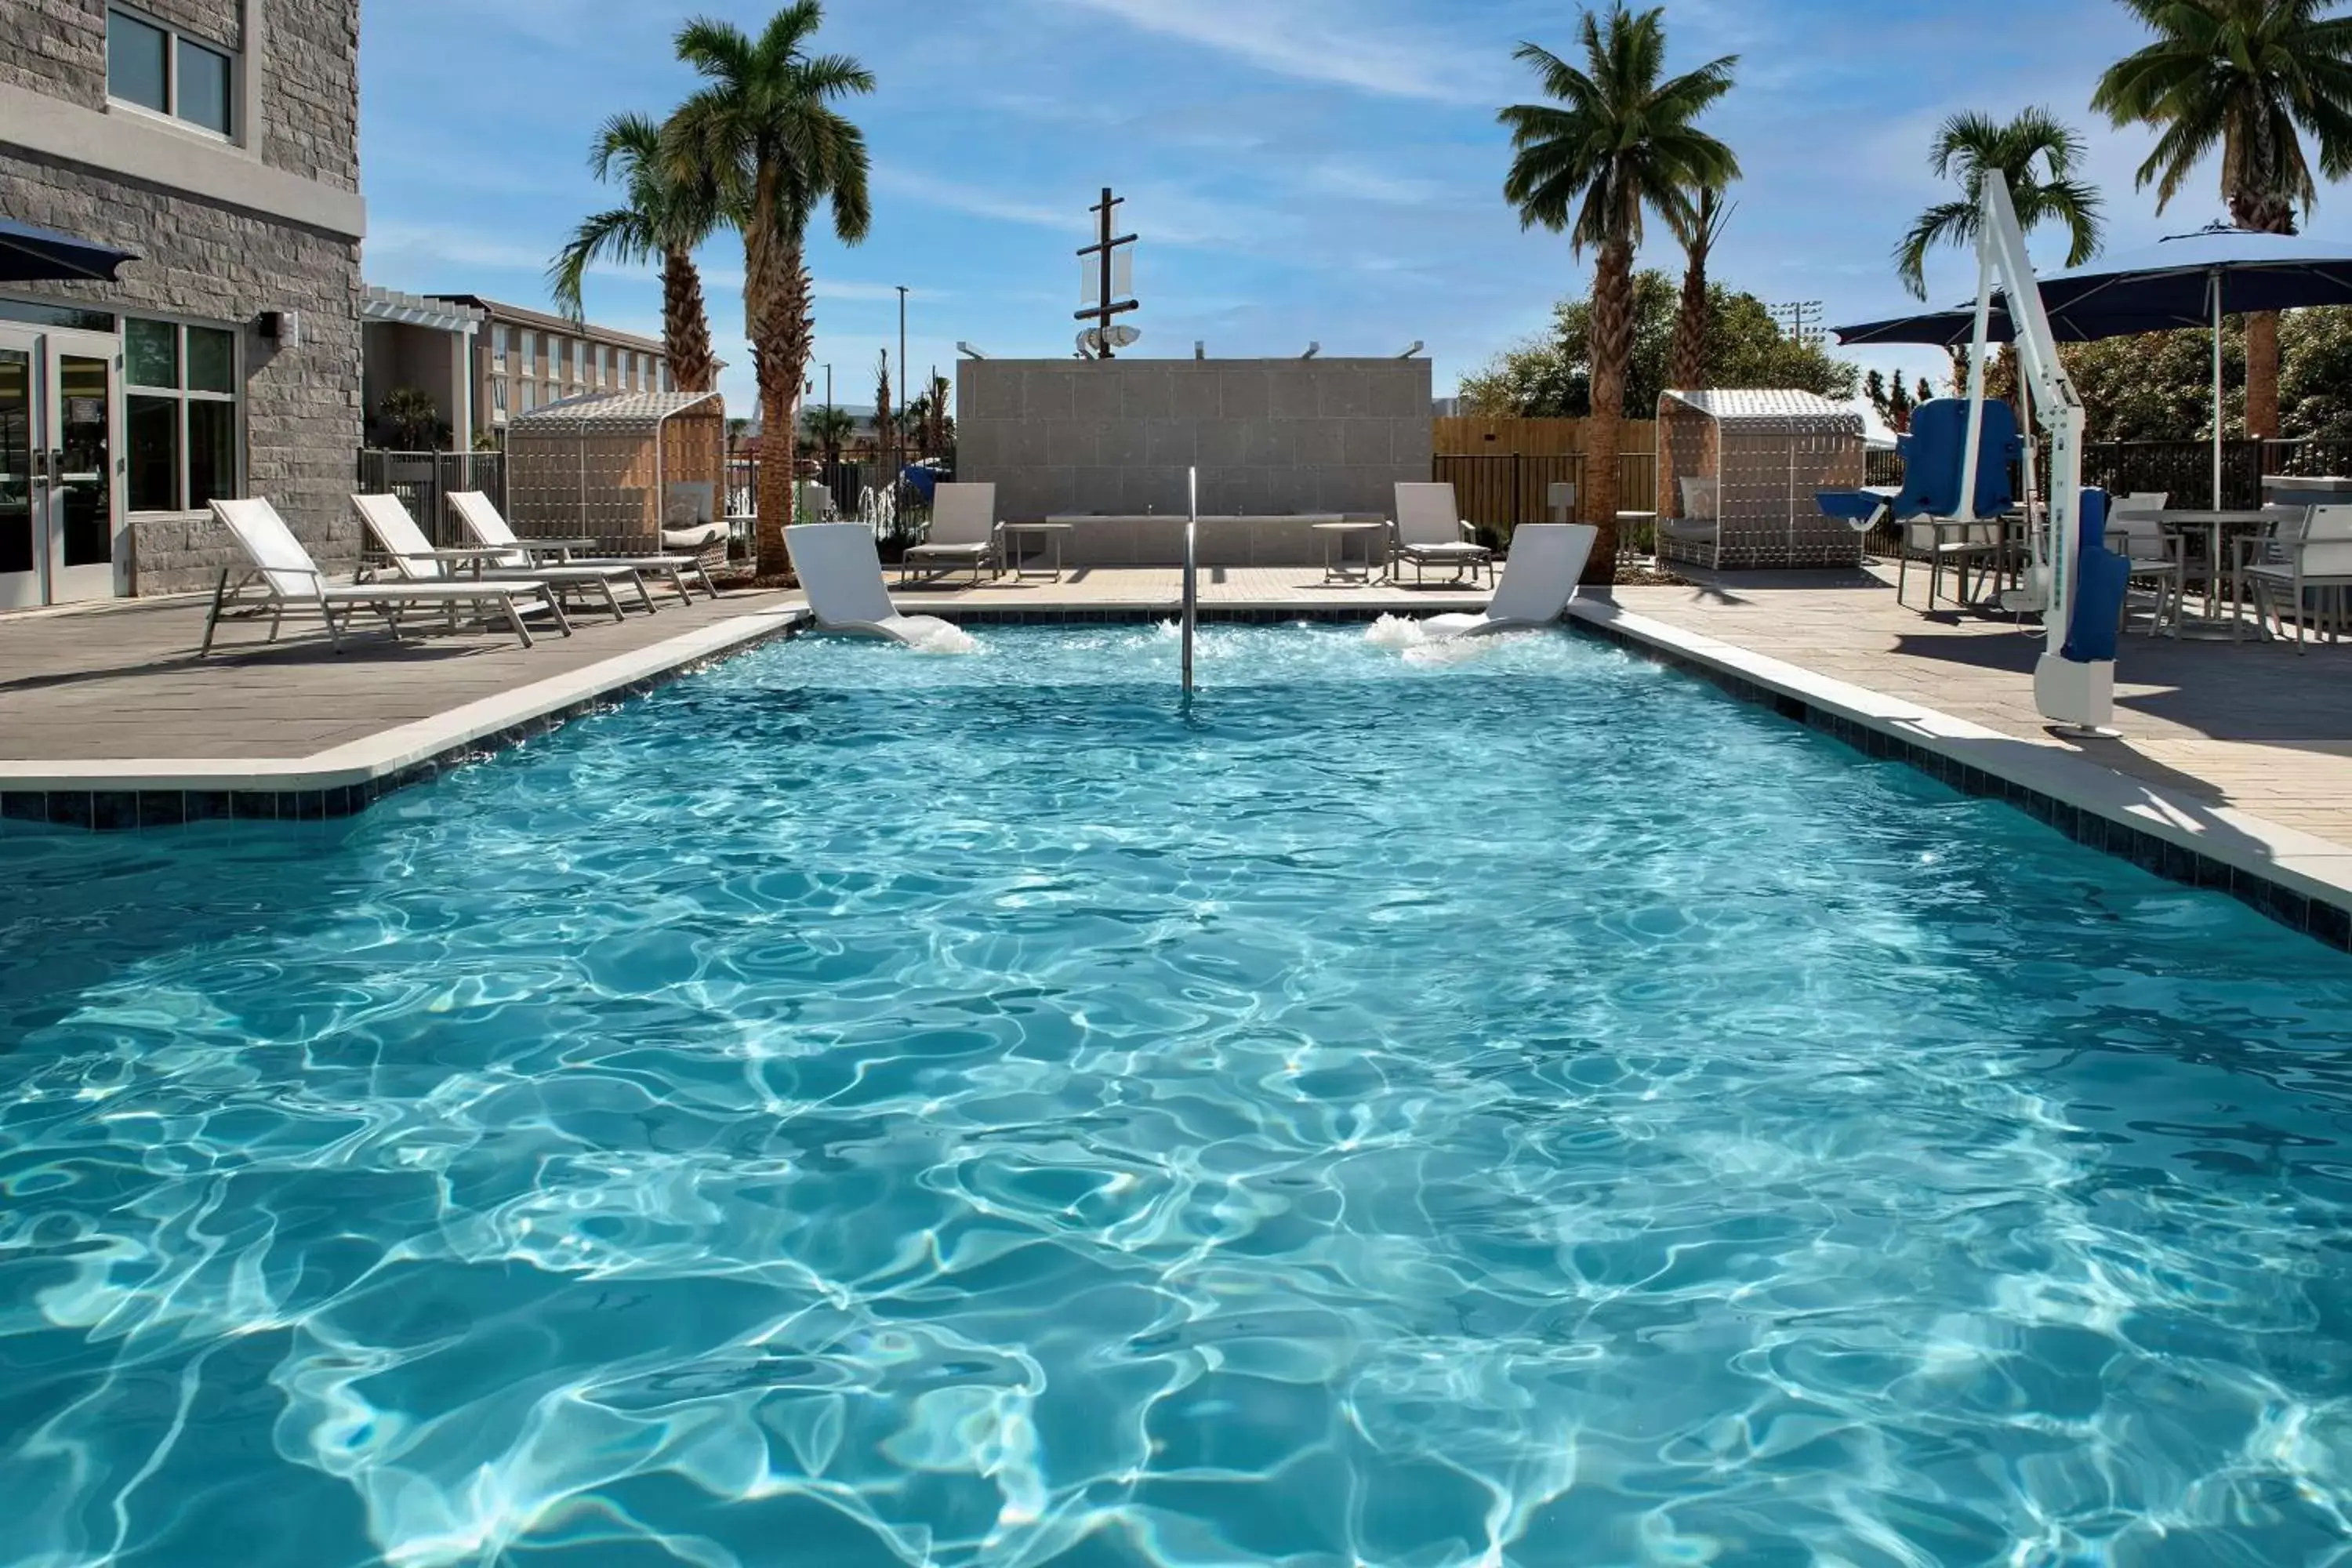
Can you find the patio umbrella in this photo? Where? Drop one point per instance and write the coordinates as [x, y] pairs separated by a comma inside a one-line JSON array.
[[29, 254], [2186, 281]]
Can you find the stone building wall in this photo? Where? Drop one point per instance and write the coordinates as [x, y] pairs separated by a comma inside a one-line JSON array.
[[1267, 436], [211, 261]]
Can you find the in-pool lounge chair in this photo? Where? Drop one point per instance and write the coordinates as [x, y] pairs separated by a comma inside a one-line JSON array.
[[1431, 531], [962, 532], [481, 518], [292, 581], [1539, 578], [414, 557], [842, 572]]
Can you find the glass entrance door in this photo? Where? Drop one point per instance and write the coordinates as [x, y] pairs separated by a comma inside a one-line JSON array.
[[60, 499]]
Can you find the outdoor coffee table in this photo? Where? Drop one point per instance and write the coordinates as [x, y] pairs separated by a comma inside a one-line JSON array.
[[1335, 551], [1055, 531]]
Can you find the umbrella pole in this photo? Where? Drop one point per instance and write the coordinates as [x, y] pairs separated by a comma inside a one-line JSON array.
[[2217, 392]]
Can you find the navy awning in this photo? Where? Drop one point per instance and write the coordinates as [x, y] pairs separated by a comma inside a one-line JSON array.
[[29, 254]]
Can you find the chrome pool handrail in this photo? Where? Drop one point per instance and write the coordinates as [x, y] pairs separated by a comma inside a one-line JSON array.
[[1191, 569]]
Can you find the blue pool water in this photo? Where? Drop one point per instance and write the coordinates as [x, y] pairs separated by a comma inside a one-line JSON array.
[[856, 1108]]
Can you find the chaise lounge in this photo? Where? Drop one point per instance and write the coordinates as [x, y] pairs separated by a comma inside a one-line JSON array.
[[1539, 578], [414, 557], [842, 572], [1431, 531], [482, 520], [291, 580]]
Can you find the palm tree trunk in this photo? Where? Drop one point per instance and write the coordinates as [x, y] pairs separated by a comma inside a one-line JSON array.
[[775, 302], [1689, 360], [2264, 213], [2262, 374], [1612, 352], [686, 325]]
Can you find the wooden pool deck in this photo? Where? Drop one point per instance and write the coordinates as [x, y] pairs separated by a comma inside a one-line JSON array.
[[2241, 752]]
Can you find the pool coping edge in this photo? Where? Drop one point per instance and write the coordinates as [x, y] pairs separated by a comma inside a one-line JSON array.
[[157, 792]]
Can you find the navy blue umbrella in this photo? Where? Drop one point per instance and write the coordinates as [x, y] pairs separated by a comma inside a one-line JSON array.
[[29, 254], [2187, 280]]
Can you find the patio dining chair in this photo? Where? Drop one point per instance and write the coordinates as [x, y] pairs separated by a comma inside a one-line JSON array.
[[2318, 558], [2136, 531], [1936, 541]]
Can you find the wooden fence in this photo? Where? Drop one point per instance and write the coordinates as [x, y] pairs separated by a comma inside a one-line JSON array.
[[1464, 433], [1502, 470]]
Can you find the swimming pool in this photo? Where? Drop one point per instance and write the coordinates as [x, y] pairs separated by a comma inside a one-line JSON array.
[[856, 1108]]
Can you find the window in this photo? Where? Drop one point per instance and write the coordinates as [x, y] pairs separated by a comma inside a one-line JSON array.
[[498, 349], [499, 395], [153, 68], [608, 377], [530, 354], [554, 392], [559, 351], [529, 396], [180, 413], [667, 384]]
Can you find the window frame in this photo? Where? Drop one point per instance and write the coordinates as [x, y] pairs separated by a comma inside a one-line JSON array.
[[498, 350], [181, 398], [174, 37]]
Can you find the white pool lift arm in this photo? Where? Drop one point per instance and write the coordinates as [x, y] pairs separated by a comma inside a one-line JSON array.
[[2073, 682]]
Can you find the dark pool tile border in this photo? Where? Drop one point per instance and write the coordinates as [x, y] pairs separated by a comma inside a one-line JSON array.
[[153, 809], [2317, 917]]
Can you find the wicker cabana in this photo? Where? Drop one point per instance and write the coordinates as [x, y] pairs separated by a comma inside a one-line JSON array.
[[622, 469], [1736, 475]]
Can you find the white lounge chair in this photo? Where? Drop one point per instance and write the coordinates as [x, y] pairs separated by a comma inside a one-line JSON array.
[[293, 580], [1539, 578], [1431, 530], [842, 572], [962, 532], [481, 518], [414, 557]]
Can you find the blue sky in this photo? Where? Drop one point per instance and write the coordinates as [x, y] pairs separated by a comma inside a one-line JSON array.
[[1324, 170]]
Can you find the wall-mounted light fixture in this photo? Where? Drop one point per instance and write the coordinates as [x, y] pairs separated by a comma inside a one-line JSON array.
[[283, 328]]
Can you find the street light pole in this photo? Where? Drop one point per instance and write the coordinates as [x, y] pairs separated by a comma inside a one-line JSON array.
[[897, 424]]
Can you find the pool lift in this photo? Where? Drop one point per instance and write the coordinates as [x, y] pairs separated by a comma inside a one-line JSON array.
[[1956, 469]]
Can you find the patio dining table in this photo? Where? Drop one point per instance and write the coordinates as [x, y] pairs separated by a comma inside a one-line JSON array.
[[2211, 526]]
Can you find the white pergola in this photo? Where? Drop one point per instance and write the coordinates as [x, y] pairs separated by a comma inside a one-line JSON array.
[[460, 322]]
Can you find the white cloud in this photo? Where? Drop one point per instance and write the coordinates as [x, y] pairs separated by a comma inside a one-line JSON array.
[[1316, 41], [962, 196]]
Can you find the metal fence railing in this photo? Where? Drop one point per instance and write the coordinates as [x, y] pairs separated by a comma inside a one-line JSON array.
[[422, 479]]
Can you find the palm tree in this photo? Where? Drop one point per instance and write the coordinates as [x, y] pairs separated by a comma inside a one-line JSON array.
[[765, 128], [1698, 233], [2248, 77], [2036, 153], [830, 428], [1617, 137], [671, 210]]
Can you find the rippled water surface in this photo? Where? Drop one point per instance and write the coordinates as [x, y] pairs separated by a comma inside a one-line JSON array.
[[856, 1108]]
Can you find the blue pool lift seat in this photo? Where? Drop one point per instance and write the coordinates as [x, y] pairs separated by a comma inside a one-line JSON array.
[[1935, 452]]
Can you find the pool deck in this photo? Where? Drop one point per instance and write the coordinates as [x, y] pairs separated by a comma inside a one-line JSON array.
[[2239, 753]]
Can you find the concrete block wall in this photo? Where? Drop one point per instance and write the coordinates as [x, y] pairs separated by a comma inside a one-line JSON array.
[[1267, 436]]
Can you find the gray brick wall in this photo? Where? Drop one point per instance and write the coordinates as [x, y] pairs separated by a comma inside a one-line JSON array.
[[309, 63], [312, 90], [56, 46], [302, 405], [1268, 435]]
